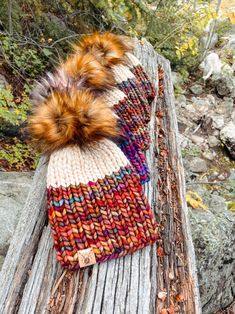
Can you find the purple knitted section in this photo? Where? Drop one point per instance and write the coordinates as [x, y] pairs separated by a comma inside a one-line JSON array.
[[136, 157]]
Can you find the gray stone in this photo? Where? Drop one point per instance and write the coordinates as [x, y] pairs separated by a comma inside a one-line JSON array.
[[213, 233], [232, 175], [198, 140], [211, 99], [202, 103], [225, 82], [196, 89], [181, 99], [209, 155], [198, 165], [228, 105], [14, 187], [231, 41], [217, 122], [213, 141], [227, 135]]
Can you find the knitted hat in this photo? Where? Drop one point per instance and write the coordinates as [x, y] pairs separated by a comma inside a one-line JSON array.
[[130, 117], [127, 82], [111, 50], [136, 68], [135, 137], [96, 206]]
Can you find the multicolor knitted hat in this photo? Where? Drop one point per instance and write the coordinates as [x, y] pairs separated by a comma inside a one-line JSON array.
[[113, 52], [136, 68], [96, 206], [130, 116], [135, 137]]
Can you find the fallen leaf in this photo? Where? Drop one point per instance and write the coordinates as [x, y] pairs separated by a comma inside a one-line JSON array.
[[179, 297], [194, 200], [160, 252], [163, 311]]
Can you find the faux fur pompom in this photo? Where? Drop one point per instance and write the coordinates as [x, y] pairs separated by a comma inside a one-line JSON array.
[[88, 72], [108, 48], [48, 84], [68, 117]]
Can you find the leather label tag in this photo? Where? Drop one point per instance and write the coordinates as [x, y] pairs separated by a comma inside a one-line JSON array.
[[86, 257]]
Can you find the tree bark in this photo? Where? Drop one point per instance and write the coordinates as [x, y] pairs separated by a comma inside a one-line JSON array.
[[158, 277]]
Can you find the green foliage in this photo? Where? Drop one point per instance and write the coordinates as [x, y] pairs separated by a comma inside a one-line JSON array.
[[18, 156], [12, 112], [23, 60], [191, 152]]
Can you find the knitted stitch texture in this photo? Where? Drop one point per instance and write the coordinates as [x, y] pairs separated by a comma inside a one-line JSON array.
[[130, 115], [135, 136], [127, 82], [95, 200], [136, 68]]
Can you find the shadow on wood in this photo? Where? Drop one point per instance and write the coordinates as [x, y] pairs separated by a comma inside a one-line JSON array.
[[162, 276]]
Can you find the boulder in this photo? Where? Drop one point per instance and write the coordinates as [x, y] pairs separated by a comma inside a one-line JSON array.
[[213, 232], [213, 141], [225, 82], [227, 135], [14, 187], [217, 121], [198, 165], [196, 89]]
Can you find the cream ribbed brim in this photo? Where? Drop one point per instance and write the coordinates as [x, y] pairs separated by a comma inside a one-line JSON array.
[[73, 165]]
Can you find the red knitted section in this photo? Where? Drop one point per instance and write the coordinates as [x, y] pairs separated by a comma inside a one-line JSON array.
[[111, 216]]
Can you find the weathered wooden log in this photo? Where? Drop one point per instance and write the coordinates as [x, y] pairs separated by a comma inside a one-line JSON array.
[[154, 279]]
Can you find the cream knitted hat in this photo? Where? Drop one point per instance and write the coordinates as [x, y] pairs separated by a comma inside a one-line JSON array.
[[96, 206]]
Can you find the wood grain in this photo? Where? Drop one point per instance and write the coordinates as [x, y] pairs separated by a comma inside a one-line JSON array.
[[33, 282]]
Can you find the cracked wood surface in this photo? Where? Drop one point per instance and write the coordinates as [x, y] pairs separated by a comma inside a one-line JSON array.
[[158, 277]]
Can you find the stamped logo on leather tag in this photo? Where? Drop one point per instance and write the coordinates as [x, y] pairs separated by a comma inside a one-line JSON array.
[[86, 257]]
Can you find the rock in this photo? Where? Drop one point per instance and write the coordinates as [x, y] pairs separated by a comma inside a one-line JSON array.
[[209, 155], [232, 175], [211, 66], [197, 139], [221, 177], [198, 165], [228, 106], [213, 232], [3, 81], [211, 99], [202, 103], [227, 135], [217, 122], [225, 82], [231, 41], [14, 187], [213, 141], [196, 89], [181, 99]]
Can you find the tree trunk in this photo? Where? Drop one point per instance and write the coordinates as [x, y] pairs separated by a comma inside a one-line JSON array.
[[162, 276]]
